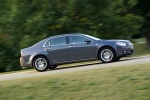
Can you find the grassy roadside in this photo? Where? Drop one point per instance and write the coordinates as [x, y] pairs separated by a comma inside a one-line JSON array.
[[24, 70], [120, 83]]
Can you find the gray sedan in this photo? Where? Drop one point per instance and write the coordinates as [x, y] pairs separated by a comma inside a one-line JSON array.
[[68, 48]]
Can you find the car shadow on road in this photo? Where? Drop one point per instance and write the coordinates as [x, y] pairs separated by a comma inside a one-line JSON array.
[[73, 66], [133, 58], [83, 65]]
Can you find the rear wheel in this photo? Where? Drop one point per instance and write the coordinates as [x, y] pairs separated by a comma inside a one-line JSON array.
[[107, 55], [41, 63]]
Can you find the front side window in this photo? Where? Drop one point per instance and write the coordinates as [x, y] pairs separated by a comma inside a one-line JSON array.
[[76, 39], [56, 41]]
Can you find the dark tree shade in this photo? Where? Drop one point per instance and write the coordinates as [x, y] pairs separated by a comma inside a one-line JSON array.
[[143, 9]]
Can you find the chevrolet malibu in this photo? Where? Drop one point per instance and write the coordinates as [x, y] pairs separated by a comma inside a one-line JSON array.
[[68, 48]]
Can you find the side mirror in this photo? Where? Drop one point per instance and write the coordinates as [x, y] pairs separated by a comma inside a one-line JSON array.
[[87, 41]]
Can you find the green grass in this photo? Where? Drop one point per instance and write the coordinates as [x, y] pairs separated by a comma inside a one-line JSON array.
[[24, 70], [120, 83]]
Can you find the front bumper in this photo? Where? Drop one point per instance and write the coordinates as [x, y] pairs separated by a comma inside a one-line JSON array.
[[24, 63], [124, 51]]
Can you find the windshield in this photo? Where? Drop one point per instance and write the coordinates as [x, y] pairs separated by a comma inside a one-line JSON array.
[[92, 37]]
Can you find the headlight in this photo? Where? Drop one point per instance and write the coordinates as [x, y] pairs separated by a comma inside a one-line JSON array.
[[121, 43]]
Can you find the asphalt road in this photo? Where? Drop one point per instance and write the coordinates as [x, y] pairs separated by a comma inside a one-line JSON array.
[[76, 67]]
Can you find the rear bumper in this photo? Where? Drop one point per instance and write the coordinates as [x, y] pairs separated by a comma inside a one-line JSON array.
[[24, 63]]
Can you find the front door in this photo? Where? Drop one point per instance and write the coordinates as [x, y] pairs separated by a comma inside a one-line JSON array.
[[81, 50]]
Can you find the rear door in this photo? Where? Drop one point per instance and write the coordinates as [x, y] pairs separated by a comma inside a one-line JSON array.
[[58, 49]]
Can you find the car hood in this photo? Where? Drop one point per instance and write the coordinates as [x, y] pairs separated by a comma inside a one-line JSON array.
[[117, 40]]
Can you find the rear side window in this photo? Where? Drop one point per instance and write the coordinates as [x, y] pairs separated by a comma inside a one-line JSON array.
[[56, 41]]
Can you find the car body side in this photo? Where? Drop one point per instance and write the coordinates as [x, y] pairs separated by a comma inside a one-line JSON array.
[[29, 54]]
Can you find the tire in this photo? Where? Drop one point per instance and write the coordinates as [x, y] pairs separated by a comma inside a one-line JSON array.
[[41, 63], [52, 67], [117, 59], [107, 55]]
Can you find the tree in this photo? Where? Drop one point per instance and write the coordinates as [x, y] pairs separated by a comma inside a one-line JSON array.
[[142, 8]]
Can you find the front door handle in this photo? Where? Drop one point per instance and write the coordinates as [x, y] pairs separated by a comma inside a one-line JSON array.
[[70, 46], [47, 49]]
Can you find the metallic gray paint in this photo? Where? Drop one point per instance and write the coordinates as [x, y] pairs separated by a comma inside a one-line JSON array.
[[67, 53]]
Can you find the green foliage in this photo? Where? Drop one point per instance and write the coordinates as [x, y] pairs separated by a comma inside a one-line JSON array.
[[142, 8], [118, 83], [27, 21]]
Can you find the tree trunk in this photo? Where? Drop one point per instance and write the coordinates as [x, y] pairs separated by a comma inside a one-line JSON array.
[[148, 39]]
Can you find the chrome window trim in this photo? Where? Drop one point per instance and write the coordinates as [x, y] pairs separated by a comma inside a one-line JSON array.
[[66, 39], [80, 36], [45, 43]]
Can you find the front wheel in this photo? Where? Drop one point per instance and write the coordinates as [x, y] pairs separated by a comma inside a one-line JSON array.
[[41, 63], [107, 55]]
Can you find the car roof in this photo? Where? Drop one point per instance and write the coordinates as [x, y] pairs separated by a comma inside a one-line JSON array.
[[66, 35]]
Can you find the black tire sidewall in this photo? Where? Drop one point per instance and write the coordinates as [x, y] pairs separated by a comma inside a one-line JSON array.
[[113, 52], [45, 67]]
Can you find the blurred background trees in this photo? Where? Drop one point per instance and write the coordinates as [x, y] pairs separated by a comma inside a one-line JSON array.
[[142, 8], [24, 22]]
